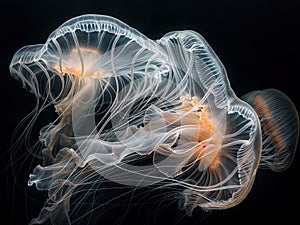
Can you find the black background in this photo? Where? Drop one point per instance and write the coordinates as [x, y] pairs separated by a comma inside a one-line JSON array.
[[256, 40]]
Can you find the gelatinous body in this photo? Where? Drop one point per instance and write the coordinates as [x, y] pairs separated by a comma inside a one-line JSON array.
[[122, 98]]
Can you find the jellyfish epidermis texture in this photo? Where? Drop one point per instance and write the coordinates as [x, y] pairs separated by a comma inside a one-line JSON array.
[[140, 112]]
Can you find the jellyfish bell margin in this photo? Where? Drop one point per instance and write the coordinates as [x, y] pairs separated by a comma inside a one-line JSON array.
[[123, 99]]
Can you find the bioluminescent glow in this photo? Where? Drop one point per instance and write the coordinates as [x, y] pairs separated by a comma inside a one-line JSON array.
[[140, 112]]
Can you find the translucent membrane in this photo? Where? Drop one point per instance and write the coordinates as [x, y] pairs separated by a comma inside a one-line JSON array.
[[140, 112], [280, 127]]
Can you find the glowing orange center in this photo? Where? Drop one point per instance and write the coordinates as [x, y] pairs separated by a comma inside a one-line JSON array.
[[208, 136], [81, 63]]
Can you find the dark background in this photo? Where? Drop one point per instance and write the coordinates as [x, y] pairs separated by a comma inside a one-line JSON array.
[[256, 40]]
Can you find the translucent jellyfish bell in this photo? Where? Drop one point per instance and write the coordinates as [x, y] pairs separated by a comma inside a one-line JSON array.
[[279, 125], [219, 138], [88, 46], [141, 112]]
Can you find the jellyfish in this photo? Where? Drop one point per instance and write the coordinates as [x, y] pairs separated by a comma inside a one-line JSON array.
[[142, 112]]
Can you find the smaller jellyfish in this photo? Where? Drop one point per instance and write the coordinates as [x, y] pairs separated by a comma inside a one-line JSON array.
[[149, 113], [280, 127]]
